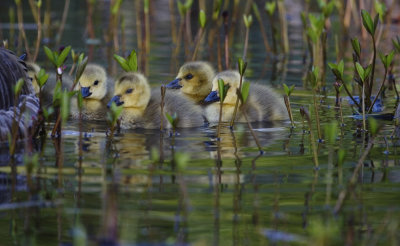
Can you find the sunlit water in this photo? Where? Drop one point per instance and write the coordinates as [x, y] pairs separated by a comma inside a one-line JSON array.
[[132, 191]]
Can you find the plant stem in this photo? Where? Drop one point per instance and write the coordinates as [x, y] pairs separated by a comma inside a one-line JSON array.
[[246, 43], [237, 102], [163, 90], [62, 25], [353, 179], [363, 107], [219, 121], [39, 35], [289, 109], [252, 132], [226, 34], [348, 93], [21, 27], [198, 41], [317, 117], [379, 92]]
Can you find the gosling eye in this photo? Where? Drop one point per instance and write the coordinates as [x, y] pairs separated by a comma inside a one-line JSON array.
[[129, 91], [189, 76], [96, 82]]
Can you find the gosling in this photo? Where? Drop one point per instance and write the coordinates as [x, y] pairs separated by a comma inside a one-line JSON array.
[[96, 90], [141, 105], [48, 88], [262, 104], [194, 80]]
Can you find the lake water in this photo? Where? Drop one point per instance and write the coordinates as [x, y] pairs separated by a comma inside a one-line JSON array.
[[134, 191]]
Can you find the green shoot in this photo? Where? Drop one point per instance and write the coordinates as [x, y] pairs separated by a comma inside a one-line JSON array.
[[129, 64]]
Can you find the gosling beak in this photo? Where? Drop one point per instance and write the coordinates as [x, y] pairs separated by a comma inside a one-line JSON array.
[[174, 84], [212, 97], [85, 92], [115, 99]]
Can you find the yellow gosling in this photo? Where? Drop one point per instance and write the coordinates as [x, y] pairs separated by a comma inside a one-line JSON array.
[[48, 88], [142, 105], [96, 90], [194, 80], [263, 104]]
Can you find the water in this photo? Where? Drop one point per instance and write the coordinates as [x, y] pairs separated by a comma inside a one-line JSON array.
[[131, 191]]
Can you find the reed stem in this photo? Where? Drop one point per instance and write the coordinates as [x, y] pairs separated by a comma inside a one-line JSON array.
[[63, 21]]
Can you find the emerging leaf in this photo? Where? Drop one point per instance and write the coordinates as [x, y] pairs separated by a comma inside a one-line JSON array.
[[132, 61], [50, 55], [367, 22], [356, 46], [270, 7], [18, 86], [245, 91], [63, 55], [122, 62], [360, 71], [202, 18], [242, 66]]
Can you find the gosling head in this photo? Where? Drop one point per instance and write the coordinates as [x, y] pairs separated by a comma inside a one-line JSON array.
[[33, 70], [93, 82], [132, 90], [194, 78], [232, 78]]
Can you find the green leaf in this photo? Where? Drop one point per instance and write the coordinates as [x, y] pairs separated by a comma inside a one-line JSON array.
[[169, 118], [188, 4], [172, 119], [65, 105], [286, 89], [270, 7], [367, 22], [57, 92], [181, 8], [291, 89], [331, 132], [222, 90], [146, 6], [242, 66], [360, 71], [181, 160], [132, 61], [18, 86], [368, 71], [341, 156], [50, 55], [81, 68], [256, 11], [122, 62], [115, 8], [380, 8], [396, 44], [341, 67], [373, 125], [202, 18], [245, 91], [376, 20], [42, 77], [390, 58], [356, 46], [63, 55]]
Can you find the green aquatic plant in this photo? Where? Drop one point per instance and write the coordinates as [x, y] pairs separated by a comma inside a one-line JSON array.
[[283, 26], [113, 116], [288, 92], [270, 8], [306, 115], [37, 17], [173, 121], [313, 77], [243, 94], [13, 135], [248, 20], [222, 90], [200, 32], [242, 69], [129, 64]]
